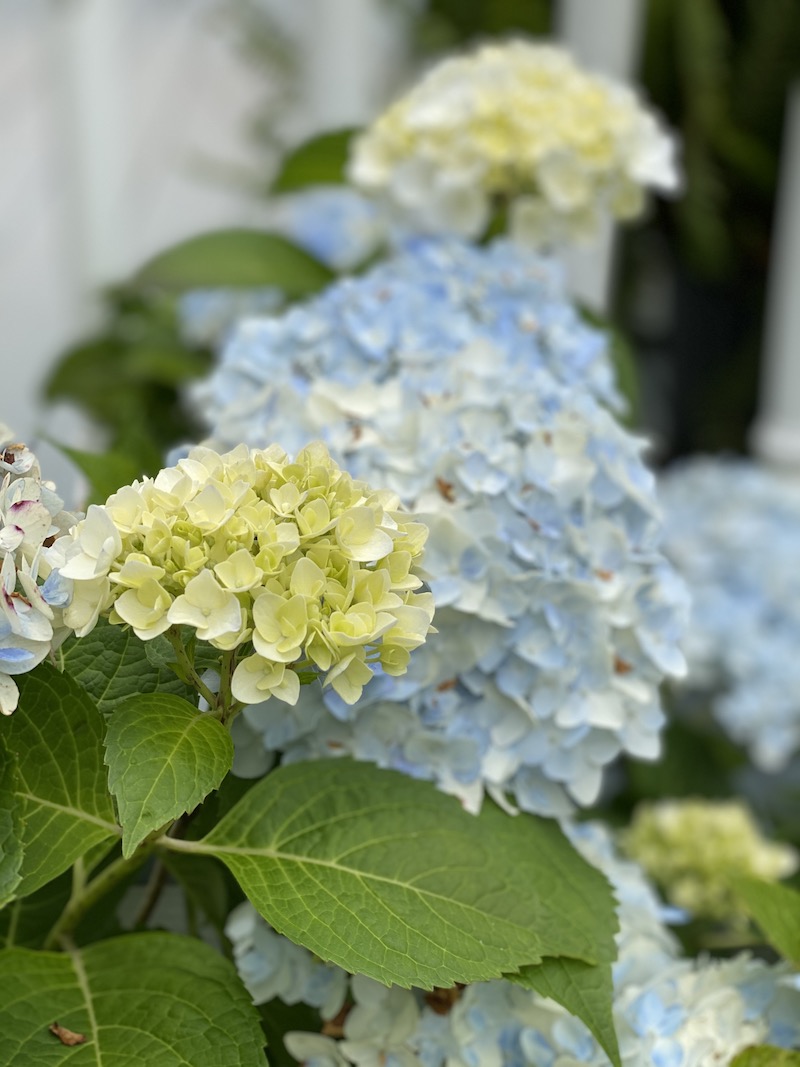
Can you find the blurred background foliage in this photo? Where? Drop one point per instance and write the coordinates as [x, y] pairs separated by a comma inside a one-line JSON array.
[[692, 279]]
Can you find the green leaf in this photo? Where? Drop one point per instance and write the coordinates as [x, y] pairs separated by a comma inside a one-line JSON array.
[[389, 877], [11, 829], [144, 999], [320, 161], [585, 990], [56, 734], [766, 1056], [107, 471], [164, 757], [776, 909], [112, 664], [237, 259]]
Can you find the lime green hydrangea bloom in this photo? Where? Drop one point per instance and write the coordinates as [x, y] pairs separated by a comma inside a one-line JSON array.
[[290, 564], [695, 848]]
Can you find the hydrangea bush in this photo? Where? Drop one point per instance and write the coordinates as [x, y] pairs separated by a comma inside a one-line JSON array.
[[254, 609], [451, 374]]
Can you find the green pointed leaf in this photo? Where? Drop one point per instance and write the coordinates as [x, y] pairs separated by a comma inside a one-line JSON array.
[[584, 989], [56, 735], [237, 259], [164, 757], [389, 877], [112, 664], [153, 999], [776, 909], [766, 1056], [320, 161], [11, 848]]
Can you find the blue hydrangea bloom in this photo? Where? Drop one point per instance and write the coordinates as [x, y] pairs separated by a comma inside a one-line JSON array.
[[463, 380], [732, 529]]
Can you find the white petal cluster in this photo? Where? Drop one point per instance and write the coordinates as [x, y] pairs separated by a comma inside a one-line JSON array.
[[461, 379], [668, 1011], [290, 564], [32, 596], [733, 528], [519, 126]]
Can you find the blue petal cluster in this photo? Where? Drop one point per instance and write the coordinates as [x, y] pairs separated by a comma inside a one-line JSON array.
[[668, 1011], [335, 224], [462, 379], [732, 529]]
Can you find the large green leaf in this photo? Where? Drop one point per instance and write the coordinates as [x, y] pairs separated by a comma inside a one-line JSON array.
[[11, 849], [585, 990], [237, 259], [56, 735], [112, 664], [320, 161], [766, 1056], [152, 999], [389, 877], [776, 909], [164, 757]]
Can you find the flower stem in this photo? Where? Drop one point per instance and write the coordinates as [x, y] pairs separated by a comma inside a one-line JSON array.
[[174, 638], [84, 897]]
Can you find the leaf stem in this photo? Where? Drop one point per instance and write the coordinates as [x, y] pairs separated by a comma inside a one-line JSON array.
[[84, 897]]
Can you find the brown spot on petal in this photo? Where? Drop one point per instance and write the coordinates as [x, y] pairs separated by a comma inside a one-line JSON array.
[[49, 542], [621, 666], [604, 576], [451, 683], [441, 1001], [446, 489], [65, 1036]]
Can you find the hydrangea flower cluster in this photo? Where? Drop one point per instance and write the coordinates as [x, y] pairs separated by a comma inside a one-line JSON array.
[[518, 125], [451, 375], [32, 596], [291, 563], [668, 1011], [664, 837], [731, 528]]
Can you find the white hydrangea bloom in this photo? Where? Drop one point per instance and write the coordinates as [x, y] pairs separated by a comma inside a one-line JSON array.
[[519, 125], [732, 528], [461, 379], [32, 595], [287, 564]]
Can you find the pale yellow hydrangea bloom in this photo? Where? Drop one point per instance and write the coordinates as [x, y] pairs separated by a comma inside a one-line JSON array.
[[520, 125], [291, 564], [694, 849]]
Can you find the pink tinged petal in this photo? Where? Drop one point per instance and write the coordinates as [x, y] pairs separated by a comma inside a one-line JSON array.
[[32, 517], [11, 537]]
